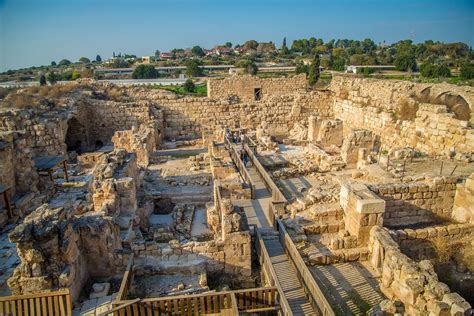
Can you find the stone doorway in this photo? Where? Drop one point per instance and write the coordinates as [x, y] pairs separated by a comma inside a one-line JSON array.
[[75, 136]]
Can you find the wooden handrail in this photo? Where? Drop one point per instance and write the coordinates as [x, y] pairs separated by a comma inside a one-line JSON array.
[[127, 279], [313, 291], [277, 196], [56, 302], [244, 173], [227, 303], [274, 279]]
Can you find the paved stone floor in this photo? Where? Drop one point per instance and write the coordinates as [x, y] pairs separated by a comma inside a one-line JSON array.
[[8, 261], [351, 287]]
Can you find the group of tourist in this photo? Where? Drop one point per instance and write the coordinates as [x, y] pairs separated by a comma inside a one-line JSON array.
[[234, 138]]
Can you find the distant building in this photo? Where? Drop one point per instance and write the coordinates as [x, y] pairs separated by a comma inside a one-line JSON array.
[[166, 55], [219, 51], [356, 68]]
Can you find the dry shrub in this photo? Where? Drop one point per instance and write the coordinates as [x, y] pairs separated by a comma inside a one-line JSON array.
[[446, 251], [56, 91], [20, 101], [115, 94], [407, 109]]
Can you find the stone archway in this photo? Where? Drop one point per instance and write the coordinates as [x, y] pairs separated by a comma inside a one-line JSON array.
[[76, 136]]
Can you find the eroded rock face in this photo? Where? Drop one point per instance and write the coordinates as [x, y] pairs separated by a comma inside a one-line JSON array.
[[59, 249]]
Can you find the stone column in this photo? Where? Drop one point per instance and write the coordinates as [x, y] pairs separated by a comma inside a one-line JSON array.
[[363, 210]]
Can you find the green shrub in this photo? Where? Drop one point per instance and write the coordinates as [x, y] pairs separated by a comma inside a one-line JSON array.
[[467, 71], [145, 72]]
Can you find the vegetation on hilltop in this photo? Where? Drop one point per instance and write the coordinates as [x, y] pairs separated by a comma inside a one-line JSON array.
[[434, 58]]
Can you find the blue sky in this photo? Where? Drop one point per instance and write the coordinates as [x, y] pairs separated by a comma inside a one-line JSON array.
[[36, 32]]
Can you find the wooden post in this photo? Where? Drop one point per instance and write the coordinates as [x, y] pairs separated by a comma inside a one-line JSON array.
[[65, 171], [453, 170], [441, 168], [51, 175], [412, 154], [388, 161], [403, 171]]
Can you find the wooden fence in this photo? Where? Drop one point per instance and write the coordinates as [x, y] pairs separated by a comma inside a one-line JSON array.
[[57, 303], [311, 288], [126, 280], [223, 303], [240, 166], [270, 273]]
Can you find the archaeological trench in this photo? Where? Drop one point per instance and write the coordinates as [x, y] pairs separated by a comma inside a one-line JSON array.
[[355, 199]]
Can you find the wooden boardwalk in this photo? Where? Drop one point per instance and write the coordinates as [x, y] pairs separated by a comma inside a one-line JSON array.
[[257, 213]]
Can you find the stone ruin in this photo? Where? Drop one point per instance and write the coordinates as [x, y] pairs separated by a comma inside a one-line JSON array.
[[375, 172]]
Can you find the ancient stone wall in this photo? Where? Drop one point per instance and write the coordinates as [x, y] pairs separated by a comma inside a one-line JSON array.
[[245, 87], [414, 284], [379, 105], [417, 202], [18, 173], [115, 184], [421, 243], [188, 118], [60, 250], [140, 141], [463, 208]]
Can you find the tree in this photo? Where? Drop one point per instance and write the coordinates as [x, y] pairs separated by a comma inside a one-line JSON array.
[[84, 60], [314, 70], [284, 49], [42, 80], [64, 62], [302, 69], [53, 63], [119, 63], [193, 69], [53, 77], [228, 44], [249, 66], [434, 71], [157, 53], [75, 75], [189, 85], [405, 61], [197, 51], [98, 58], [145, 72], [467, 71]]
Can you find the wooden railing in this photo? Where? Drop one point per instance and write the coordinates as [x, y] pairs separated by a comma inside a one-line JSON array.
[[311, 288], [224, 303], [126, 280], [270, 273], [57, 303], [271, 185], [240, 166]]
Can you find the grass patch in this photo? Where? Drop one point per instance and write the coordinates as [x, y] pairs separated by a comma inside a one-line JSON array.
[[200, 90]]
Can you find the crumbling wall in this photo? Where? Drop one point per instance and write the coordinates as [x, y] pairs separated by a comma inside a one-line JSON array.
[[376, 105], [17, 172], [353, 142], [422, 243], [463, 208], [60, 250], [140, 141], [417, 202], [243, 87], [115, 184], [415, 284], [325, 132]]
